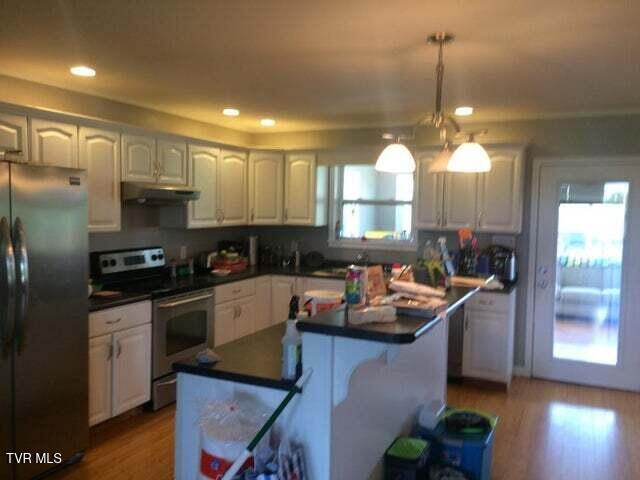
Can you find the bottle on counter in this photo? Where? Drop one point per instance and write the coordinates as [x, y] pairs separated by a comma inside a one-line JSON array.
[[292, 344]]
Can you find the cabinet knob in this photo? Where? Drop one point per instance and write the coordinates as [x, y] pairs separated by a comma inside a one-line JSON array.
[[286, 214]]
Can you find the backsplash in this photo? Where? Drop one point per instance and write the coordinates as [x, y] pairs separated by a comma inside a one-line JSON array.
[[140, 229]]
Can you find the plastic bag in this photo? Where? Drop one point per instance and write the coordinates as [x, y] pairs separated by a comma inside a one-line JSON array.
[[226, 428]]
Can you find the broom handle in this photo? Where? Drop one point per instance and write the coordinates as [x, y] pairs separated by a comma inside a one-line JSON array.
[[237, 464]]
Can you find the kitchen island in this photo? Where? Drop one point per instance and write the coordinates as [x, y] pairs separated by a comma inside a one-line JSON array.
[[365, 389]]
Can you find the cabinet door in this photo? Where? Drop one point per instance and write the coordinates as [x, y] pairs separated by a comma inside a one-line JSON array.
[[500, 192], [100, 156], [266, 188], [172, 162], [245, 323], [485, 345], [204, 176], [300, 189], [13, 134], [429, 192], [224, 326], [282, 289], [100, 353], [131, 368], [232, 187], [54, 143], [263, 303], [460, 200], [138, 158]]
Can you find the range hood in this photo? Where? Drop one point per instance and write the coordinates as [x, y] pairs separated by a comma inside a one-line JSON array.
[[157, 194]]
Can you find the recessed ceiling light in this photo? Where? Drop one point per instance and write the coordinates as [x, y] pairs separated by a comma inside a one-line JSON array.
[[464, 111], [82, 71], [267, 122], [231, 112]]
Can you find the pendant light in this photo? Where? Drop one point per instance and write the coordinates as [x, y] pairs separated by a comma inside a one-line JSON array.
[[396, 157], [469, 157]]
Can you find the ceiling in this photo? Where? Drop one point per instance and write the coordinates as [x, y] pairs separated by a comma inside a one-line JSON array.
[[318, 64]]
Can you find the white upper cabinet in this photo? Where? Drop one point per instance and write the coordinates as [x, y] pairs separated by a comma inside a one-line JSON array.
[[232, 187], [204, 162], [138, 158], [266, 187], [172, 162], [460, 191], [500, 192], [13, 134], [100, 156], [305, 190], [54, 143], [429, 192]]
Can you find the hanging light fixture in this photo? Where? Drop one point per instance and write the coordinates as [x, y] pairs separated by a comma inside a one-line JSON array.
[[469, 157], [396, 157]]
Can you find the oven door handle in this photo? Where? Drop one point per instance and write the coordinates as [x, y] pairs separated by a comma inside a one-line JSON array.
[[185, 301]]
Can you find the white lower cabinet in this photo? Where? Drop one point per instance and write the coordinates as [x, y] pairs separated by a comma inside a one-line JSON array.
[[263, 302], [100, 374], [305, 284], [489, 324], [119, 360], [131, 368]]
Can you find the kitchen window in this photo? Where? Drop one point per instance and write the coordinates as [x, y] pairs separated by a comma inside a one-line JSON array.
[[371, 209]]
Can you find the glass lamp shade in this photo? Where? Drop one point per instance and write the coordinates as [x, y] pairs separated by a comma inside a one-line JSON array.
[[396, 158], [470, 157]]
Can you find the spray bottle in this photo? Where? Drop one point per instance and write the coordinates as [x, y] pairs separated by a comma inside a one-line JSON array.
[[292, 344]]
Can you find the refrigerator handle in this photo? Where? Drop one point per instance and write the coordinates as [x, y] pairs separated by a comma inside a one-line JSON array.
[[22, 277], [8, 278]]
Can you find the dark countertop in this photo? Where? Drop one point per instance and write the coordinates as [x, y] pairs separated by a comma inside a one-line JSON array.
[[100, 303], [406, 329], [201, 281], [254, 359]]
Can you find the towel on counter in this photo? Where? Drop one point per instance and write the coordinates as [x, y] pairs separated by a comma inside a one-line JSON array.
[[416, 289]]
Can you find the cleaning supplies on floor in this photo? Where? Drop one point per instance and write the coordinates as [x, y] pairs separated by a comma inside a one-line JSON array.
[[292, 344], [406, 459], [226, 427]]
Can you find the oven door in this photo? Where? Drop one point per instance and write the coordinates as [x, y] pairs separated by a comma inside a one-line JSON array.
[[181, 326]]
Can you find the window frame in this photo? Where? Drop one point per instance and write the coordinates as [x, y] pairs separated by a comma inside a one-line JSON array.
[[336, 202]]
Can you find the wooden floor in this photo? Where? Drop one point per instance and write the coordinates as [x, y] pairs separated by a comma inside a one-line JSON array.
[[547, 431]]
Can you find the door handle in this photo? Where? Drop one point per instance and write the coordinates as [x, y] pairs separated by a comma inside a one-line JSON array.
[[286, 214], [543, 283], [113, 322], [466, 322], [185, 301], [22, 280], [110, 352], [118, 348], [8, 266], [252, 215]]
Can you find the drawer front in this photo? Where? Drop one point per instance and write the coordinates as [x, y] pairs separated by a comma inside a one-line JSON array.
[[494, 302], [232, 291], [118, 318]]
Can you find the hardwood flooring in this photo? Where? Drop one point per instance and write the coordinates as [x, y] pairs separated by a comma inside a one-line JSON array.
[[547, 431]]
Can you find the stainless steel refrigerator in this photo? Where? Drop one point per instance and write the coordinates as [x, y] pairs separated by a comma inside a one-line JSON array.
[[43, 317]]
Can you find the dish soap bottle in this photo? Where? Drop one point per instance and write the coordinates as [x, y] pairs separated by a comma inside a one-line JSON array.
[[291, 344]]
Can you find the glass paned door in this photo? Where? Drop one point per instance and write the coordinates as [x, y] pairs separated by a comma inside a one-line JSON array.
[[586, 325], [591, 230]]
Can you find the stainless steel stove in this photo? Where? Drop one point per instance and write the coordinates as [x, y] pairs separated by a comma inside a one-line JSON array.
[[183, 309]]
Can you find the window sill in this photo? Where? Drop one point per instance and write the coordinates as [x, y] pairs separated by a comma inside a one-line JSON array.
[[374, 245]]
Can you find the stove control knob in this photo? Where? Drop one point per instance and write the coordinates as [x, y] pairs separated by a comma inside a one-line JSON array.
[[105, 263], [112, 263], [154, 257], [160, 257]]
